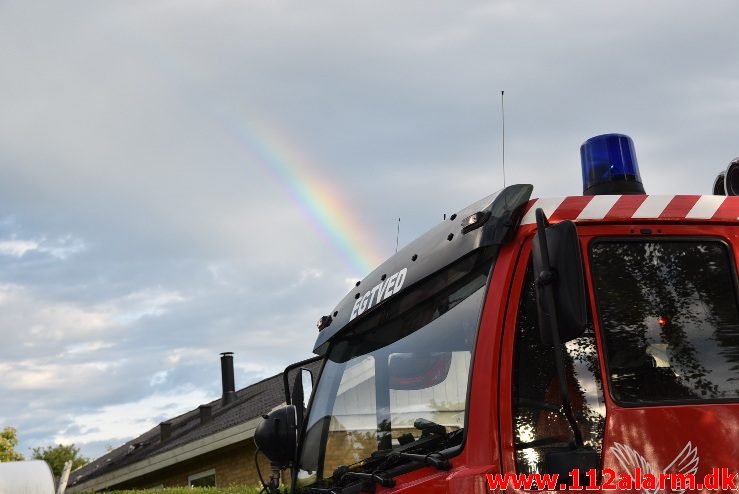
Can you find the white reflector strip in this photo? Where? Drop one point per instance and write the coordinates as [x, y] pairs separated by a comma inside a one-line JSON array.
[[706, 207], [652, 207], [548, 205], [598, 208]]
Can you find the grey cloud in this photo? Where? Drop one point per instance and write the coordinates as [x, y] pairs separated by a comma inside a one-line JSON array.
[[139, 131]]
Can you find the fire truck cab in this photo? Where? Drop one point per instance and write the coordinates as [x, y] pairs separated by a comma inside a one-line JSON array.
[[526, 336]]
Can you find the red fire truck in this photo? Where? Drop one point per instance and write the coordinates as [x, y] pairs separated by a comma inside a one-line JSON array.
[[528, 336]]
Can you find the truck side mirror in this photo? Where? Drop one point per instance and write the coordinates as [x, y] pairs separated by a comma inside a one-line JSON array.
[[277, 436], [560, 301], [301, 394], [563, 269]]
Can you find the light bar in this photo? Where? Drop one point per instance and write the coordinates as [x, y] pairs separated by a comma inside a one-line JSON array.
[[609, 166]]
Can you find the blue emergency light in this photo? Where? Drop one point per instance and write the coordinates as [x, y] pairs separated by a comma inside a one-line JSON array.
[[609, 166]]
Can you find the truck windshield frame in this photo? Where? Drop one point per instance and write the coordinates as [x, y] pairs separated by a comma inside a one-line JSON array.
[[409, 359]]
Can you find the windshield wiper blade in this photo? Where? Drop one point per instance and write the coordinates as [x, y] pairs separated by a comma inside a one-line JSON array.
[[370, 479], [319, 490], [435, 459], [433, 436], [429, 427], [366, 483]]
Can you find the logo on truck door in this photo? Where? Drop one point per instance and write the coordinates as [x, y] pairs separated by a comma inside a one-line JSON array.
[[686, 462], [384, 290]]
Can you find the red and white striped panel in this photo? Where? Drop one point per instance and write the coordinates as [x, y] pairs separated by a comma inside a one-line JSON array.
[[598, 208]]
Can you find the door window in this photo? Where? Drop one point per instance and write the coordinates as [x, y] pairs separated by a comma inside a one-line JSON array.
[[669, 316], [539, 423]]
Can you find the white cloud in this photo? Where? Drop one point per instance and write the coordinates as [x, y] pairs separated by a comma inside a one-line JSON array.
[[17, 248], [34, 320], [255, 369], [60, 248], [87, 347], [117, 423], [149, 302], [177, 355], [50, 328], [158, 378], [38, 375]]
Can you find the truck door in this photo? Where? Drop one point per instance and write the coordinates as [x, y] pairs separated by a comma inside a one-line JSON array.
[[666, 310], [532, 422], [654, 380]]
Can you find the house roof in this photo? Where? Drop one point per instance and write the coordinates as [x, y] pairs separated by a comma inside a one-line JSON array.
[[250, 403]]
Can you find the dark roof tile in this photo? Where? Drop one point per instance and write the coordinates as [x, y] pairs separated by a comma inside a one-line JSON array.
[[251, 402]]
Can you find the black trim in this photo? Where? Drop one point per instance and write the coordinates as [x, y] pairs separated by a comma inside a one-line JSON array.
[[646, 239], [431, 252], [301, 433]]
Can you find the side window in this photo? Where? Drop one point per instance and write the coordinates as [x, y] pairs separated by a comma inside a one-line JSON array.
[[539, 423], [668, 310], [202, 479]]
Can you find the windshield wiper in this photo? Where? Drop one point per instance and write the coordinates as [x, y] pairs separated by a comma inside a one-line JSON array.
[[367, 483], [435, 459], [349, 481], [428, 427], [370, 479], [433, 435], [423, 450]]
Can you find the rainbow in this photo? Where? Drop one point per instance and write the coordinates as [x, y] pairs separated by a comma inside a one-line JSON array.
[[328, 211], [292, 168]]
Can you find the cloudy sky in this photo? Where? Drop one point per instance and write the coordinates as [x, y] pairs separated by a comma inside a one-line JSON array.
[[182, 178]]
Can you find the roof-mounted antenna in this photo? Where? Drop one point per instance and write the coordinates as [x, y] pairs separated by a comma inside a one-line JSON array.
[[502, 114], [397, 237]]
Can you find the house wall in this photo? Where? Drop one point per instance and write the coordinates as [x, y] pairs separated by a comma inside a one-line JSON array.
[[232, 465]]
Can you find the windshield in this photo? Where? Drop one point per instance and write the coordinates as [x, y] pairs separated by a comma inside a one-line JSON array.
[[408, 360]]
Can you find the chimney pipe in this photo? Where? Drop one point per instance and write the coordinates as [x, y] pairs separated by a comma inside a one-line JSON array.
[[227, 378]]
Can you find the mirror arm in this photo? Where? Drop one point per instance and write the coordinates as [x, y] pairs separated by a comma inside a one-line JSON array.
[[297, 399], [545, 280]]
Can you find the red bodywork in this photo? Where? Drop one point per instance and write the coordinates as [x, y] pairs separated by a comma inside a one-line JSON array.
[[657, 433]]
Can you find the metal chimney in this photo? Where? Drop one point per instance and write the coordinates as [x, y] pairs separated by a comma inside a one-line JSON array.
[[227, 378]]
